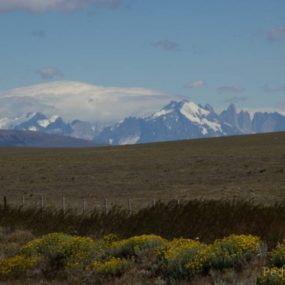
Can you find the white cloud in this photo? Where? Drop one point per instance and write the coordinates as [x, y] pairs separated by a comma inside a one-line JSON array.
[[40, 6], [77, 100], [196, 84], [50, 73]]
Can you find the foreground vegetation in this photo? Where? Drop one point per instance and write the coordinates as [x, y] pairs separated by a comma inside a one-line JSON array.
[[198, 242], [208, 220], [145, 259]]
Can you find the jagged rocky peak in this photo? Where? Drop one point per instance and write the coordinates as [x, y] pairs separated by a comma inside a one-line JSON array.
[[245, 123]]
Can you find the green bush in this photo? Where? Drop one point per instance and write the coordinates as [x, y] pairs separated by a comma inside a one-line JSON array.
[[63, 251], [181, 258], [135, 245], [272, 276], [233, 251], [17, 266], [111, 267], [278, 255]]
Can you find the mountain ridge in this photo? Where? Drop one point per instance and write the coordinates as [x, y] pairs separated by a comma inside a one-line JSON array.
[[180, 120], [177, 120], [19, 138]]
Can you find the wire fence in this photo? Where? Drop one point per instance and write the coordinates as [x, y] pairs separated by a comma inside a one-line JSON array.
[[82, 205]]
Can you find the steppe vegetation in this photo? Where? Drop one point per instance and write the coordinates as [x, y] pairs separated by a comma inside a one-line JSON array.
[[145, 259], [199, 242], [246, 167], [207, 212]]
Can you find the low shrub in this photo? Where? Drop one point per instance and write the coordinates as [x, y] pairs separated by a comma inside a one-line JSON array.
[[63, 251], [233, 251], [181, 258], [111, 267], [272, 276], [278, 255], [78, 258], [17, 266], [135, 245]]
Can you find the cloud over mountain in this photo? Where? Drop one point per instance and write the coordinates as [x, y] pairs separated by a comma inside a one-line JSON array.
[[82, 101]]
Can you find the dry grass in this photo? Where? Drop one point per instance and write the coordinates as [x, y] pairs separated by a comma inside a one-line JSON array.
[[246, 167]]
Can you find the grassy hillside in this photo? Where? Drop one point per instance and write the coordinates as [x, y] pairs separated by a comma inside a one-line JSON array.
[[245, 167]]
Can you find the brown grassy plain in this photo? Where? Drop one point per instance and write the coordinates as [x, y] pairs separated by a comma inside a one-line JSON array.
[[246, 167]]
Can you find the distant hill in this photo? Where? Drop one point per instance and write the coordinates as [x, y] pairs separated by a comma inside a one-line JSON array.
[[15, 138]]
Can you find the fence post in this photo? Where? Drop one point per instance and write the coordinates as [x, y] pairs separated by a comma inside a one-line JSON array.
[[130, 206], [153, 202], [106, 206], [42, 202], [63, 204], [23, 201], [178, 202], [5, 202], [84, 206]]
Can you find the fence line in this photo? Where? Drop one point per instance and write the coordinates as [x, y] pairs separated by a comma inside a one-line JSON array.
[[82, 204]]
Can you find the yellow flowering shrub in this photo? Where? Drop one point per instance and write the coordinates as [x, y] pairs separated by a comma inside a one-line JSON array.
[[135, 245], [110, 238], [234, 250], [181, 257], [64, 256], [272, 276], [113, 266], [17, 266], [278, 255], [69, 251]]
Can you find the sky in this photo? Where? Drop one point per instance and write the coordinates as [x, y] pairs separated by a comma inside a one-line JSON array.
[[216, 52]]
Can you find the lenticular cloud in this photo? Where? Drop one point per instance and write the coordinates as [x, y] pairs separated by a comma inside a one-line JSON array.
[[53, 5]]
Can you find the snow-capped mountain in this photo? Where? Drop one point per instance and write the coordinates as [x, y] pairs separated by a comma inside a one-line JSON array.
[[41, 123], [176, 121], [38, 122], [186, 120]]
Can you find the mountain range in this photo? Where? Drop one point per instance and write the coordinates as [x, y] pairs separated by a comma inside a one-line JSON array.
[[178, 120], [14, 138], [182, 120]]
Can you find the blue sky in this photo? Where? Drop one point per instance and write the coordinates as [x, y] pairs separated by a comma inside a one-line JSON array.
[[213, 52]]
